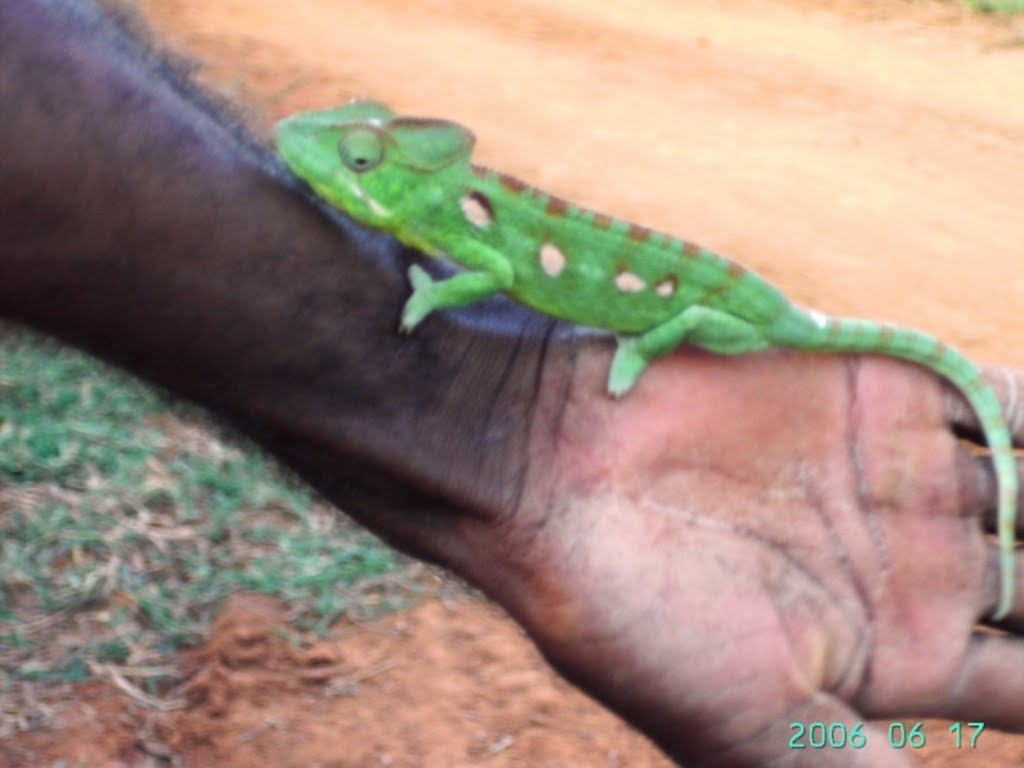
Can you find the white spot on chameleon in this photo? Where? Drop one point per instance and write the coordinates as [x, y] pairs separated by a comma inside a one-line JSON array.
[[475, 211], [552, 260], [627, 282], [666, 287], [819, 319]]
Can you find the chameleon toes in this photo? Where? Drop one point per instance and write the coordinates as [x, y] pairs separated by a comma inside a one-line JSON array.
[[419, 305], [419, 278], [416, 308], [627, 365]]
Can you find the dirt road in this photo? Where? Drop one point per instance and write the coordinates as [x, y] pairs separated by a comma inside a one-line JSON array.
[[866, 156]]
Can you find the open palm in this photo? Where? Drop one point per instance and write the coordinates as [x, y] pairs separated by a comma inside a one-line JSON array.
[[781, 538]]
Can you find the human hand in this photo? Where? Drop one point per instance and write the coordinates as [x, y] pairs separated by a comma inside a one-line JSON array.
[[745, 543]]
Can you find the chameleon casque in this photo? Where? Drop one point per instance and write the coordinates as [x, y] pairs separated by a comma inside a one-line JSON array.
[[413, 178]]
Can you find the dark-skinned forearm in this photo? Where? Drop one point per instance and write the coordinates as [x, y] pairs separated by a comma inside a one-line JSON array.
[[138, 224]]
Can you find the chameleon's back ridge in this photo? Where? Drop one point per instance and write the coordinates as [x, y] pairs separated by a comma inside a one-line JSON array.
[[413, 177]]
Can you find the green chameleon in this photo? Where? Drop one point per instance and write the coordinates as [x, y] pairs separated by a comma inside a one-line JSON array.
[[413, 178]]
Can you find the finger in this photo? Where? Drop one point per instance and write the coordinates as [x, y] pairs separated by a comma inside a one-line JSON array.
[[990, 688], [991, 590], [979, 489], [1008, 384]]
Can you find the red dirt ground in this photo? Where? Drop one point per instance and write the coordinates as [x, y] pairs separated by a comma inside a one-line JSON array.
[[440, 685], [866, 156]]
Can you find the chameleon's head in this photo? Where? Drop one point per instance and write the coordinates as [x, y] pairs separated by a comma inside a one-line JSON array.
[[364, 159]]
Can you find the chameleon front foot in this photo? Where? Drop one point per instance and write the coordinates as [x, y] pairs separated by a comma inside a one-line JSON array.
[[419, 305], [627, 365]]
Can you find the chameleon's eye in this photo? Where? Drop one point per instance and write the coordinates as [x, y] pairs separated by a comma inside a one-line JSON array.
[[361, 150]]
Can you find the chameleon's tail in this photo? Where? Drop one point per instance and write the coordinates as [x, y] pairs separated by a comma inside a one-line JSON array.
[[809, 330]]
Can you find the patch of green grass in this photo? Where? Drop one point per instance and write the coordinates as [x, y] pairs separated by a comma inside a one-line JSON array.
[[125, 521], [995, 6]]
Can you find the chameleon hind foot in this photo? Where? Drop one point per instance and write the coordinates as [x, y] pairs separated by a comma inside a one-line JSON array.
[[710, 329], [627, 365]]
